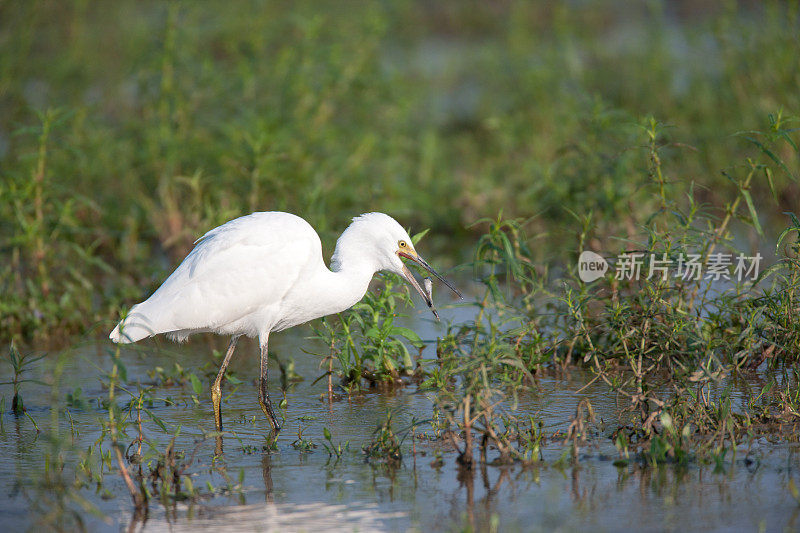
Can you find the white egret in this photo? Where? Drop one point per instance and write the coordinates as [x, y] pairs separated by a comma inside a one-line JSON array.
[[264, 272]]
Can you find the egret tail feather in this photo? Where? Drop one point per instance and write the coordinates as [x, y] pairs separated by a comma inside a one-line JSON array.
[[131, 329]]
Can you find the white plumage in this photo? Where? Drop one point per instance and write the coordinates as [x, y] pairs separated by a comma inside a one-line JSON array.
[[264, 272], [234, 281]]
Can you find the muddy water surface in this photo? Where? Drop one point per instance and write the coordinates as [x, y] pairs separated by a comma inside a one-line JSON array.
[[306, 490]]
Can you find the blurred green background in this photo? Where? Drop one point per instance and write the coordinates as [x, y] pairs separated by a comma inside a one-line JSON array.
[[130, 128]]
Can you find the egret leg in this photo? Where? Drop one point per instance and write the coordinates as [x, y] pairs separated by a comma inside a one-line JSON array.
[[216, 388], [263, 394]]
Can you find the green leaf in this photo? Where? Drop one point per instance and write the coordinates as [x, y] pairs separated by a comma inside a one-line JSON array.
[[769, 271], [326, 432], [409, 334], [752, 208], [785, 233], [197, 387], [122, 372], [768, 174], [777, 160], [418, 236], [407, 361], [157, 420]]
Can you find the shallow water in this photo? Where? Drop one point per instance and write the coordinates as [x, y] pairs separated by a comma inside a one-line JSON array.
[[290, 489]]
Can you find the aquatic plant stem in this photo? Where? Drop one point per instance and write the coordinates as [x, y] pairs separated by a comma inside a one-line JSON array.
[[38, 179], [730, 210], [139, 501]]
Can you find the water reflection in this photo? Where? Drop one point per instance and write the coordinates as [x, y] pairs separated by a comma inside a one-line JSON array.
[[266, 473]]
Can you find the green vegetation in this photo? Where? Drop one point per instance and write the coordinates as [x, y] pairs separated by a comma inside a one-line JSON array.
[[519, 134], [20, 363], [671, 346], [132, 129], [366, 342]]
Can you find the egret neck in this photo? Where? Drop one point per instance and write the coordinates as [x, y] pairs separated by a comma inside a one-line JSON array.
[[342, 288], [331, 291], [353, 265]]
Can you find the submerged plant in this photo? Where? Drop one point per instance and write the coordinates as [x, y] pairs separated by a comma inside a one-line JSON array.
[[385, 445], [481, 368], [20, 364], [334, 450]]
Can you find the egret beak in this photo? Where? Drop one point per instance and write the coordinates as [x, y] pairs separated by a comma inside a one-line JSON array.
[[411, 280], [424, 264]]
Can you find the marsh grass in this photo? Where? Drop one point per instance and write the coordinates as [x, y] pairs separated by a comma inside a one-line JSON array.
[[20, 364], [131, 130], [371, 349], [669, 345], [385, 445]]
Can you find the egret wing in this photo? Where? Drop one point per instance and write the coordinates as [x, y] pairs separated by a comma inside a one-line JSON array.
[[239, 268]]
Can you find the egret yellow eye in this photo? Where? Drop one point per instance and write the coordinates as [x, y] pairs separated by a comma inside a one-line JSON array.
[[402, 244]]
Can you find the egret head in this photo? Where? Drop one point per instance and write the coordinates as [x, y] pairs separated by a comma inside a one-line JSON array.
[[380, 237]]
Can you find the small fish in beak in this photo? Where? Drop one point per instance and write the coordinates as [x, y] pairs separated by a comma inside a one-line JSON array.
[[428, 284], [427, 295]]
